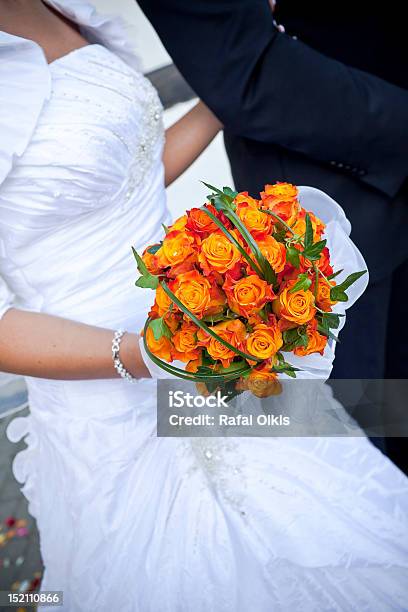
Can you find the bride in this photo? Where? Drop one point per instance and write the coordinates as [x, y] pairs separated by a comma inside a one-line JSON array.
[[129, 521]]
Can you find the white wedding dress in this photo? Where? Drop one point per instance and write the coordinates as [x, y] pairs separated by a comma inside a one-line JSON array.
[[129, 521]]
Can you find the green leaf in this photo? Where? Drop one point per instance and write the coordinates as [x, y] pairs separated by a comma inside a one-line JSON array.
[[263, 315], [279, 235], [331, 276], [146, 280], [205, 370], [331, 320], [303, 283], [337, 293], [313, 251], [166, 229], [214, 318], [214, 189], [292, 256], [219, 203], [295, 337], [159, 328], [309, 232], [326, 332], [230, 192], [234, 367], [285, 368], [267, 271], [141, 266], [221, 316], [222, 199], [154, 248]]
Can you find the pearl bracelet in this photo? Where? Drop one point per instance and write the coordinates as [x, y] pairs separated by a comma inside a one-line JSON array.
[[119, 367]]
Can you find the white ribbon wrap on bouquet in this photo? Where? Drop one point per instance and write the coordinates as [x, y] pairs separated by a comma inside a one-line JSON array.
[[344, 255]]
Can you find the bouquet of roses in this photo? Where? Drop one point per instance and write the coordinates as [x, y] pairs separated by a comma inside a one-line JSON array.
[[240, 284]]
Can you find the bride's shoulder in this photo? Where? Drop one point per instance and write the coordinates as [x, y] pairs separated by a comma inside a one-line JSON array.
[[24, 68]]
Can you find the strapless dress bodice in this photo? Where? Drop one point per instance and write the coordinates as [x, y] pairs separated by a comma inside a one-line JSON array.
[[88, 187]]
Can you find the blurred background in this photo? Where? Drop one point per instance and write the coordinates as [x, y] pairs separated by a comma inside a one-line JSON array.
[[20, 560]]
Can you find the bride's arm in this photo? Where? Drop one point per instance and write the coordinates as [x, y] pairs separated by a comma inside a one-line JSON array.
[[187, 138], [45, 346]]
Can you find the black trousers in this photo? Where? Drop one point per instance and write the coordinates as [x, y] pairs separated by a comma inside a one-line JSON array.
[[374, 342]]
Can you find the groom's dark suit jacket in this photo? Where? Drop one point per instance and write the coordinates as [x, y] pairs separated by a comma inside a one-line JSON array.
[[328, 109]]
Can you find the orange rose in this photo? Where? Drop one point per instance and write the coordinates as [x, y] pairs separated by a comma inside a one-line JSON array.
[[202, 389], [254, 219], [261, 382], [316, 342], [218, 254], [193, 290], [182, 268], [199, 222], [295, 306], [185, 342], [245, 197], [173, 320], [150, 261], [300, 226], [265, 340], [233, 331], [281, 192], [179, 224], [177, 248], [193, 365], [274, 252], [161, 348], [162, 302], [281, 198], [323, 300], [247, 295]]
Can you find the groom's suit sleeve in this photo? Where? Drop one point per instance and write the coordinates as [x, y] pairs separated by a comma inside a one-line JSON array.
[[266, 86]]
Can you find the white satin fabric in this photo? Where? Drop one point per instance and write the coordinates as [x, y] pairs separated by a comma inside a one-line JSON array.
[[129, 521]]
